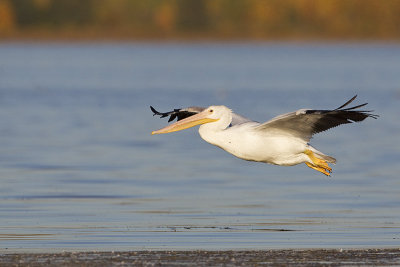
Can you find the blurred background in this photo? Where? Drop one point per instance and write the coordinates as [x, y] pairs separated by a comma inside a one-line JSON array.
[[204, 19], [79, 169]]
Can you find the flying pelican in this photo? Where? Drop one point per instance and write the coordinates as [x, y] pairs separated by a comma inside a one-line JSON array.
[[283, 140]]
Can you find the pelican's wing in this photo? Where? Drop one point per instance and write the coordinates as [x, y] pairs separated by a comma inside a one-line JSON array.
[[238, 119], [306, 122], [179, 113]]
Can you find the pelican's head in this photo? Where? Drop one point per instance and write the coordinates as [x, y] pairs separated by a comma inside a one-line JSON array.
[[211, 114]]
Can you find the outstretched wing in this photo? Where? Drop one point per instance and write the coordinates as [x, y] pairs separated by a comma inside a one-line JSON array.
[[179, 113], [304, 123]]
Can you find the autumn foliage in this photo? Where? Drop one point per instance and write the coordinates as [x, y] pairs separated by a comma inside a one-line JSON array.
[[251, 19]]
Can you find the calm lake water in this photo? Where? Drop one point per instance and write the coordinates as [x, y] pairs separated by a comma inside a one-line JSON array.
[[79, 169]]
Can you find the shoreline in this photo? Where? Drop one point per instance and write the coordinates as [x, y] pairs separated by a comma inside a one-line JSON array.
[[326, 257], [72, 41], [102, 37]]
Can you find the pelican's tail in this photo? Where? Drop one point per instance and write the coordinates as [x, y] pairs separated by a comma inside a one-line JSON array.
[[319, 161]]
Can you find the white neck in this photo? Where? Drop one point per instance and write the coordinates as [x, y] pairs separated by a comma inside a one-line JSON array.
[[209, 131]]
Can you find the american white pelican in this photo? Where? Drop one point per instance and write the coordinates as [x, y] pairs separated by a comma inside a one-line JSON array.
[[281, 141]]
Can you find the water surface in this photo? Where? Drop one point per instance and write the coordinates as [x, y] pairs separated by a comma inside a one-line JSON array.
[[79, 169]]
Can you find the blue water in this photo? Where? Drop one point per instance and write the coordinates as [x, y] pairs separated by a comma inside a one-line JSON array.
[[79, 169]]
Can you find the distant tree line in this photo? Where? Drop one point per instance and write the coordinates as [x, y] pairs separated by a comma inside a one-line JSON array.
[[264, 19]]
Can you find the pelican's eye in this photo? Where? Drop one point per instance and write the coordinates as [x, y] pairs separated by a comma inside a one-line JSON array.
[[211, 111]]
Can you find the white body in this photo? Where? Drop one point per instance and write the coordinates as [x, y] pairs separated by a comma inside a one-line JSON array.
[[245, 142]]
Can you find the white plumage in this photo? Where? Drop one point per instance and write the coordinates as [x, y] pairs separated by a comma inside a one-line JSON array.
[[281, 141]]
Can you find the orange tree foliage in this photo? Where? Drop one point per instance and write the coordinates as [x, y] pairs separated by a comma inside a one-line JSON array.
[[7, 19], [208, 18]]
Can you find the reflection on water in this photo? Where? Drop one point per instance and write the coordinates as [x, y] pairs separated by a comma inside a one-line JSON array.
[[79, 169]]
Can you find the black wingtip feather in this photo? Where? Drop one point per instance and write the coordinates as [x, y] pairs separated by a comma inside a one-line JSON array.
[[158, 113], [370, 115], [154, 111], [172, 117], [177, 113], [366, 113], [332, 118], [348, 102], [359, 106]]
